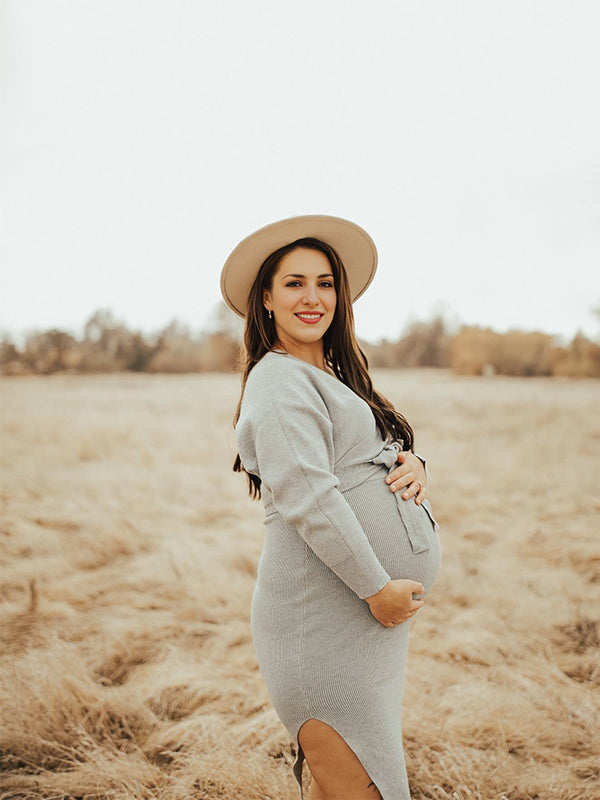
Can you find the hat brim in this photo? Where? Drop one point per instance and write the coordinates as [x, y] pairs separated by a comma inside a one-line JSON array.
[[353, 245]]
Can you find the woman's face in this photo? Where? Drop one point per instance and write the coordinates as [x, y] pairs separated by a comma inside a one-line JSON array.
[[302, 297]]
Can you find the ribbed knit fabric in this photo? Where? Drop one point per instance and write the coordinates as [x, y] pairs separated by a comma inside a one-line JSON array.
[[335, 534]]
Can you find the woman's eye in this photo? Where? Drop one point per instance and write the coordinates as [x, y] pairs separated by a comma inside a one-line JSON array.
[[293, 283], [326, 284]]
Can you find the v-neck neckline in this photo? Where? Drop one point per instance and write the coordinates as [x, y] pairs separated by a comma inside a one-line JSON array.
[[308, 364]]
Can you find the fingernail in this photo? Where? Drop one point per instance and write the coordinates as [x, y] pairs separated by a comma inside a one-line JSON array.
[[388, 480], [405, 495]]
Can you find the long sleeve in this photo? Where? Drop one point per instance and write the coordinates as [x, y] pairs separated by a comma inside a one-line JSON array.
[[295, 455]]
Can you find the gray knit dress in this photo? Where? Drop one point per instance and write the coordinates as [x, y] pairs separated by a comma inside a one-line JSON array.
[[335, 534]]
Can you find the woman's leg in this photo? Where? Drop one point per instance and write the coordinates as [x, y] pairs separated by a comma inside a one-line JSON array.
[[335, 768]]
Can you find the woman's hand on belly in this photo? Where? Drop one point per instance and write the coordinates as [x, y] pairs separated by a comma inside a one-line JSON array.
[[410, 474], [394, 603]]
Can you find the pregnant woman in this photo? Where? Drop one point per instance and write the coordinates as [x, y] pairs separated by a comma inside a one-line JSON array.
[[347, 558]]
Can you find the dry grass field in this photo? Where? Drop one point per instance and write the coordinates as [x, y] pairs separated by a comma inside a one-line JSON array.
[[129, 551]]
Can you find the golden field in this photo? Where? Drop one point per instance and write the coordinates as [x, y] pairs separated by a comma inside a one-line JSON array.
[[129, 551]]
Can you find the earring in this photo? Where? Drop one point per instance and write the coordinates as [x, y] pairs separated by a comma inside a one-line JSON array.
[[270, 314]]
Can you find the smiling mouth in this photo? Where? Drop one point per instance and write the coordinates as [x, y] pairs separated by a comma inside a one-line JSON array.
[[310, 317]]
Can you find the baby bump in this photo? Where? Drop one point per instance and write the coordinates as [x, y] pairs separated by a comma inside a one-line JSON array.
[[402, 533]]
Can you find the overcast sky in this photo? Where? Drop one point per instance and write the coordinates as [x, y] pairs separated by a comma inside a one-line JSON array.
[[141, 140]]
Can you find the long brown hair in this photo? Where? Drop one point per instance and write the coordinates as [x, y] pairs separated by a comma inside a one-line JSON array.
[[342, 352]]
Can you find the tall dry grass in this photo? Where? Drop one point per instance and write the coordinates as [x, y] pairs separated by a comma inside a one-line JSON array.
[[129, 554]]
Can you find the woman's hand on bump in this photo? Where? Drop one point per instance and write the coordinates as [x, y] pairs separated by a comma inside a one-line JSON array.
[[395, 603], [410, 476]]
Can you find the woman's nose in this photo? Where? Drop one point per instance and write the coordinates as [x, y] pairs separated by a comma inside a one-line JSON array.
[[310, 296]]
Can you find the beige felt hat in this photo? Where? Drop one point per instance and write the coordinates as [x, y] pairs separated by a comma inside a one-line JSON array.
[[353, 245]]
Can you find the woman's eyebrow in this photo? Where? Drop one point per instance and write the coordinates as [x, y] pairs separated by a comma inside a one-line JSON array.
[[297, 275]]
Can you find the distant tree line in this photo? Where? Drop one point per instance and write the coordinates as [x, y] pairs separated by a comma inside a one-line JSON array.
[[472, 350], [107, 345]]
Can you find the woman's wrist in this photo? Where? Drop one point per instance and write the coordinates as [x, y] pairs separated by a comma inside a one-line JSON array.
[[422, 460], [377, 594]]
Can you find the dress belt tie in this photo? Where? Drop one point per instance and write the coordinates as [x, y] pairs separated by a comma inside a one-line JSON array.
[[388, 457]]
